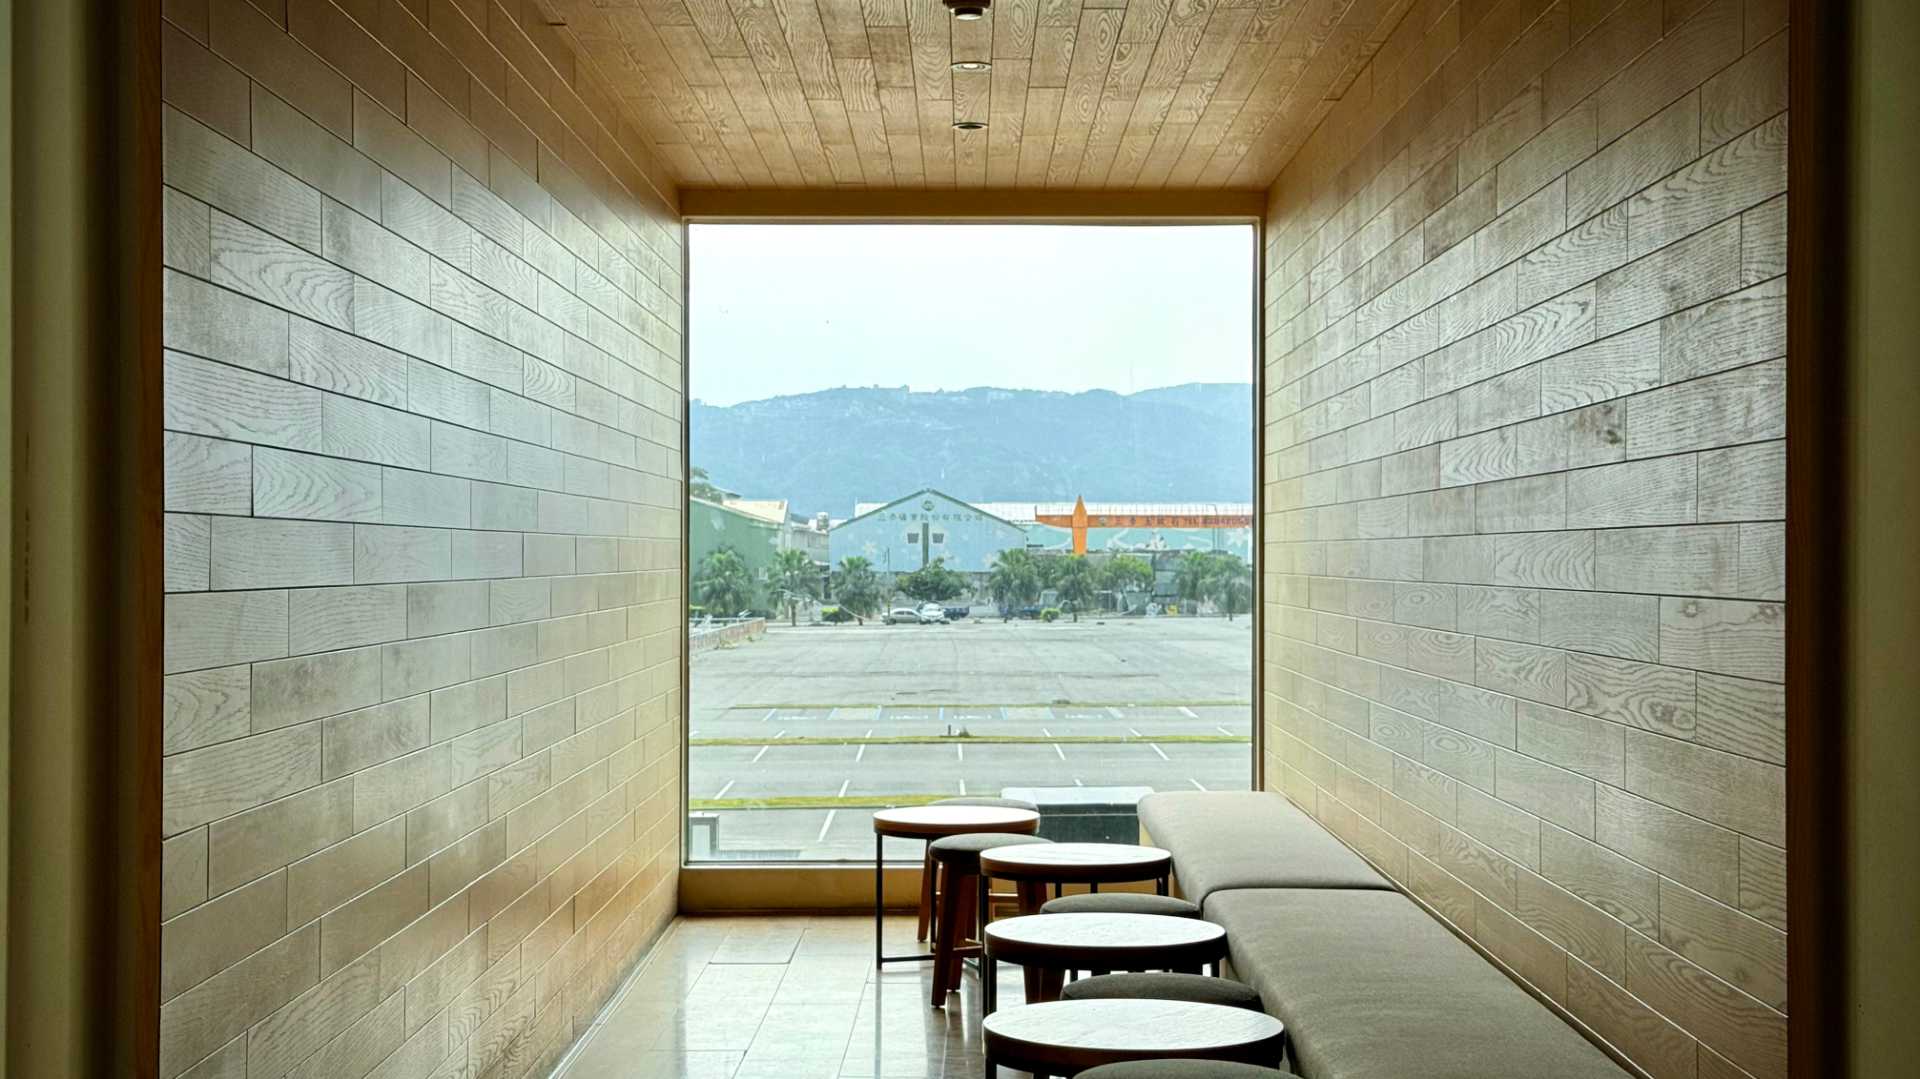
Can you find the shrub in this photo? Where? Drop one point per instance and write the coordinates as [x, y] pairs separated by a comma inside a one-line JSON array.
[[835, 614], [1049, 614]]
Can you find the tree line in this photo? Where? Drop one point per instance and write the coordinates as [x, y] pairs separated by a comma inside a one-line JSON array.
[[724, 584]]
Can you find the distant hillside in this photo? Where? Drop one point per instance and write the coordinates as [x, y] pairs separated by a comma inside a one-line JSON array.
[[824, 450]]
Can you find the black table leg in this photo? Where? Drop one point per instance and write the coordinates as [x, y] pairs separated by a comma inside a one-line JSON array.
[[881, 959]]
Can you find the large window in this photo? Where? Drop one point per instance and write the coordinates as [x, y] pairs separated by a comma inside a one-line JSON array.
[[970, 513]]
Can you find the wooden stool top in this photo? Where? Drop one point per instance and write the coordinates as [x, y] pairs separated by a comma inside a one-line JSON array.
[[1077, 863], [1068, 1036], [1106, 941], [934, 821]]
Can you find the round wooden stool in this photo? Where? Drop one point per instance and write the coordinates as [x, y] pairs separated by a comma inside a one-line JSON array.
[[1066, 1037], [1057, 943], [928, 823], [962, 907], [1161, 985], [1122, 903], [926, 862]]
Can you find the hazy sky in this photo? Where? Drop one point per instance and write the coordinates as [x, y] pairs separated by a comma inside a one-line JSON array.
[[781, 309]]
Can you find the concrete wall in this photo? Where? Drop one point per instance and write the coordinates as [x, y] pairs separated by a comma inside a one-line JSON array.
[[423, 402], [1523, 491]]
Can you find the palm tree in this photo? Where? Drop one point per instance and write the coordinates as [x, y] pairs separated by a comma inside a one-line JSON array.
[[1232, 584], [794, 578], [698, 486], [1192, 581], [857, 587], [1126, 574], [1013, 580], [1075, 582], [723, 584]]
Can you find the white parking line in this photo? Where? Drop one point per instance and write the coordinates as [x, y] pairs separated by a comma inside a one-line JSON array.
[[762, 753], [1135, 731], [1197, 785], [769, 715], [1188, 712], [722, 792], [1223, 730], [1057, 751], [1046, 732], [862, 754], [782, 733], [1114, 712], [831, 711], [1158, 750], [960, 751], [844, 784], [963, 788], [824, 825]]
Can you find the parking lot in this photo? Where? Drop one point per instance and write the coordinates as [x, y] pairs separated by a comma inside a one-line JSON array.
[[795, 737]]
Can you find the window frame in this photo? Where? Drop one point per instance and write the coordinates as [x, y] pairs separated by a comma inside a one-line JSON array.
[[818, 884]]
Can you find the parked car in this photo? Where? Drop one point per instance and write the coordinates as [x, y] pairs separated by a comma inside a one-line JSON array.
[[1030, 611], [902, 615], [932, 614], [955, 614]]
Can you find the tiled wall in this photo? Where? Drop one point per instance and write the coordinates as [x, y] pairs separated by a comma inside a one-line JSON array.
[[1523, 490], [423, 397]]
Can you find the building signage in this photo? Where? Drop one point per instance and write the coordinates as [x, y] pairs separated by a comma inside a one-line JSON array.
[[911, 516]]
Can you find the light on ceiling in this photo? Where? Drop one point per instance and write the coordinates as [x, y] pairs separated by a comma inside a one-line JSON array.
[[972, 65], [969, 125], [968, 10]]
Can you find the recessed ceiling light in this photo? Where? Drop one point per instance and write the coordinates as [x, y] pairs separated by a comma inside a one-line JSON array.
[[972, 65], [968, 10], [968, 125]]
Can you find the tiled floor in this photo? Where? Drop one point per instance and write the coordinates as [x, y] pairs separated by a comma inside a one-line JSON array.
[[786, 998]]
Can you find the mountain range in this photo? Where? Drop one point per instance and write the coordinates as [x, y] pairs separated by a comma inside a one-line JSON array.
[[824, 451]]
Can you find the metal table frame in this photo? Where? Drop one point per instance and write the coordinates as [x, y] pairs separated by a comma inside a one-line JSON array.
[[880, 958]]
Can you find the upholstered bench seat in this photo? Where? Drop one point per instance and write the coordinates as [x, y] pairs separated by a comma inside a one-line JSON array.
[[1372, 987], [1248, 839]]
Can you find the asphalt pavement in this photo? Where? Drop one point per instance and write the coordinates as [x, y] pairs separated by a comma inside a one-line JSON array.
[[795, 737]]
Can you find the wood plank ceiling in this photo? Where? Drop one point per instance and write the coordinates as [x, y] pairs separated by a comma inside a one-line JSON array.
[[1113, 94]]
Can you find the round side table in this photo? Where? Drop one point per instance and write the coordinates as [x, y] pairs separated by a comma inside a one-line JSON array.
[[927, 823], [1082, 863], [1057, 943], [1066, 1037]]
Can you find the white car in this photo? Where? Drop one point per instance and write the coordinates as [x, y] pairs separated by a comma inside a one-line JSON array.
[[899, 615], [932, 614]]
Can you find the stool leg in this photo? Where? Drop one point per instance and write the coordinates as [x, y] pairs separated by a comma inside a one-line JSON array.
[[1050, 981], [926, 894], [960, 895], [945, 931]]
